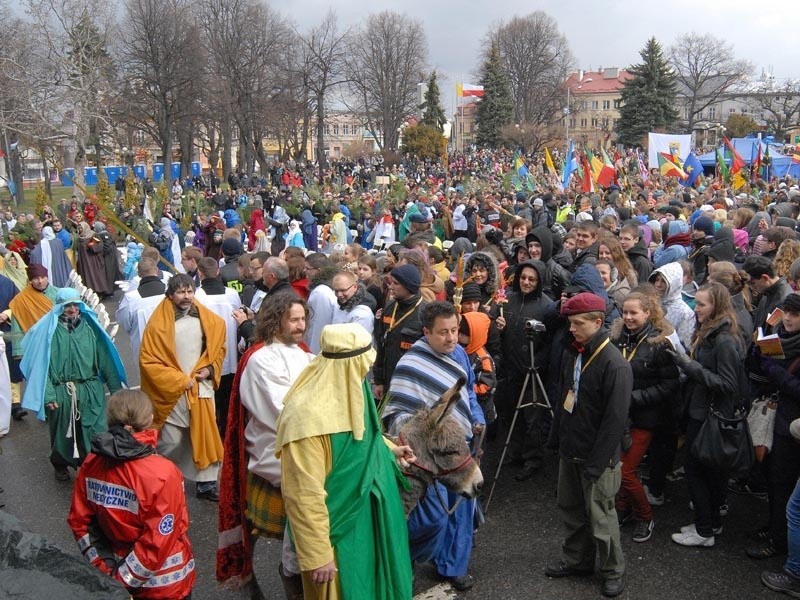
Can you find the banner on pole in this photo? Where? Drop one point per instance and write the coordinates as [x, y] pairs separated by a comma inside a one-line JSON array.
[[668, 143]]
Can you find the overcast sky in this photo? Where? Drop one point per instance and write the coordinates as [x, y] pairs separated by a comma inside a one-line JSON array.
[[601, 34]]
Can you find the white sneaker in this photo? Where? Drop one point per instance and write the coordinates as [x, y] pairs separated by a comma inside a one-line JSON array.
[[692, 538], [693, 529]]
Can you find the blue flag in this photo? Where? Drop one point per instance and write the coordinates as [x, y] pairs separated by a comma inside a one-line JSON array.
[[693, 169], [570, 165]]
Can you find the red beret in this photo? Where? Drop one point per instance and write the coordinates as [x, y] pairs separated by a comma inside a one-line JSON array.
[[583, 303]]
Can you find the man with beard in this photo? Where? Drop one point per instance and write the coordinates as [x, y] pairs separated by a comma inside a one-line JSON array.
[[251, 504], [355, 305], [180, 363]]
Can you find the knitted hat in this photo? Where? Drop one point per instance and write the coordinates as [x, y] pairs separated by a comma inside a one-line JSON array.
[[232, 247], [408, 277], [583, 303], [35, 271], [472, 291], [417, 218], [704, 224]]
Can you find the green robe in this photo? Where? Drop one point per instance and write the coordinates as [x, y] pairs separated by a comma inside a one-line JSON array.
[[367, 524], [17, 334], [77, 357]]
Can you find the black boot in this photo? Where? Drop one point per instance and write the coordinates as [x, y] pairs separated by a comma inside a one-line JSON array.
[[292, 585], [18, 413]]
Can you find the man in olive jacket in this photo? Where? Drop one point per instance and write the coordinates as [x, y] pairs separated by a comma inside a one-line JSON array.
[[590, 421]]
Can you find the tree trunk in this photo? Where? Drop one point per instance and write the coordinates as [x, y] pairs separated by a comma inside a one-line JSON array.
[[186, 145], [227, 143], [46, 167], [321, 136]]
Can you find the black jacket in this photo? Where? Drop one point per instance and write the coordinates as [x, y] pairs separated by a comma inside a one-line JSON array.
[[656, 382], [585, 257], [392, 342], [782, 377], [556, 277], [519, 309], [151, 285], [592, 433], [640, 261], [716, 375], [229, 273], [772, 297]]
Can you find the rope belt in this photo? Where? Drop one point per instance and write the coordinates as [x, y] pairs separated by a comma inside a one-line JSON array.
[[74, 417]]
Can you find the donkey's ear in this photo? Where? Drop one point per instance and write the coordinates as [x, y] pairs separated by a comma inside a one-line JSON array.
[[449, 399]]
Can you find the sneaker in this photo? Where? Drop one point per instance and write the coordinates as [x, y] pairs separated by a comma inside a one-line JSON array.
[[643, 531], [692, 538], [764, 549], [743, 488], [693, 529], [723, 509], [654, 500], [782, 582], [61, 473]]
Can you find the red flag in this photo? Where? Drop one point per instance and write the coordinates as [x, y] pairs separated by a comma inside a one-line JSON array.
[[737, 163], [587, 185]]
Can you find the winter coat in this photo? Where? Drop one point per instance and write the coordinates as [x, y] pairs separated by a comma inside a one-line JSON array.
[[715, 376], [587, 279], [640, 259], [585, 257], [393, 340], [519, 309], [781, 376], [556, 277], [656, 382], [676, 311]]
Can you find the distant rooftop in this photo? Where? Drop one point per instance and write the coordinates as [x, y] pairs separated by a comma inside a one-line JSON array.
[[597, 82]]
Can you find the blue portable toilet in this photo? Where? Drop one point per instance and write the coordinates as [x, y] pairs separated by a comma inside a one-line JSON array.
[[90, 175], [176, 171], [158, 172], [123, 170], [140, 171], [196, 168], [67, 176], [112, 173]]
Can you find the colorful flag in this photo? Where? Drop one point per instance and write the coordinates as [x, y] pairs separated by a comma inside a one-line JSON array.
[[603, 171], [643, 172], [669, 168], [548, 161], [466, 90], [766, 160], [796, 158], [722, 168], [692, 168], [587, 184], [570, 166], [755, 165], [737, 163]]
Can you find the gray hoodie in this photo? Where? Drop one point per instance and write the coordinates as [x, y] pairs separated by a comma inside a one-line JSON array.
[[676, 311]]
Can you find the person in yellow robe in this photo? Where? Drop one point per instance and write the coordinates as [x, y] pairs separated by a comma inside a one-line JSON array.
[[180, 363]]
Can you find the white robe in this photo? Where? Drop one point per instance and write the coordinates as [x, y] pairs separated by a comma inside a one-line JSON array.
[[132, 315], [223, 306]]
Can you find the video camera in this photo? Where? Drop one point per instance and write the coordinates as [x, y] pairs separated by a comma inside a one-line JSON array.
[[532, 327]]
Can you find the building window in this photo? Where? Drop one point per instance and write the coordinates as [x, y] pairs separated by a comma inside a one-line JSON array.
[[618, 103], [605, 122], [732, 110], [606, 104], [345, 129], [336, 130], [744, 111], [595, 104], [583, 122], [584, 105], [327, 129], [594, 121], [572, 123], [712, 112]]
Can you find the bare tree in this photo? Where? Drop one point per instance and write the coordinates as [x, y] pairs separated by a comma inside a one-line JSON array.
[[705, 69], [73, 74], [538, 60], [162, 56], [244, 39], [322, 67], [779, 105], [386, 61]]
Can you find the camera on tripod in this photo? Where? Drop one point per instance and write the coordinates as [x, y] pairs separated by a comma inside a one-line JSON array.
[[532, 327]]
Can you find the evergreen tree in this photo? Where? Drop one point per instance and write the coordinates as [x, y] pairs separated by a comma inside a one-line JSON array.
[[648, 98], [433, 113], [496, 109]]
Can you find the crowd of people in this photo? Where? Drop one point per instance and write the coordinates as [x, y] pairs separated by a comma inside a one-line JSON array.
[[287, 332]]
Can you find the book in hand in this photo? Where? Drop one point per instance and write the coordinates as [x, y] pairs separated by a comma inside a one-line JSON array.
[[774, 317], [770, 345]]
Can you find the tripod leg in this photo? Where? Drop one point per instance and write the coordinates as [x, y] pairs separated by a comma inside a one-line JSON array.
[[518, 407]]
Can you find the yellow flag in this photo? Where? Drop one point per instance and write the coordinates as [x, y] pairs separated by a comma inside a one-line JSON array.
[[459, 90], [548, 160], [738, 180]]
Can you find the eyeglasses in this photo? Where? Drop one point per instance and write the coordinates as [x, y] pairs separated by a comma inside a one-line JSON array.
[[344, 290]]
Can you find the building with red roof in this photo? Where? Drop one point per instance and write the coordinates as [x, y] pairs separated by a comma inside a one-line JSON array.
[[594, 102]]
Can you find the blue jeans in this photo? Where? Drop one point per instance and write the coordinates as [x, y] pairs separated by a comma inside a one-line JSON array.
[[793, 519]]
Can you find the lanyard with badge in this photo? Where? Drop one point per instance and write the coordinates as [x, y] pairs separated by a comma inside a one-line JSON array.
[[572, 395]]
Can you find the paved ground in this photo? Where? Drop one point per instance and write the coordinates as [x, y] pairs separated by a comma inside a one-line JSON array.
[[521, 533]]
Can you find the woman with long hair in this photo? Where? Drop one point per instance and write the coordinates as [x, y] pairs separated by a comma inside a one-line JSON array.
[[735, 282], [713, 371], [368, 275], [610, 249], [643, 336]]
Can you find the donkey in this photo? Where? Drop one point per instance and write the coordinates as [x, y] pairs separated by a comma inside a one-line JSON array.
[[441, 449]]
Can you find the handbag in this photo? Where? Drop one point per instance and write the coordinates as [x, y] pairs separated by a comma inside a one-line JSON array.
[[761, 422], [724, 444]]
